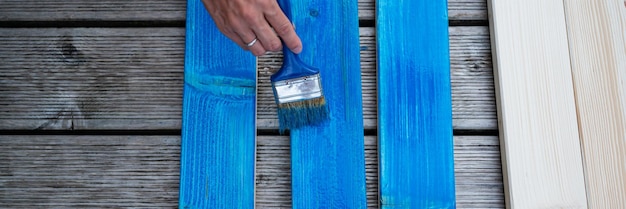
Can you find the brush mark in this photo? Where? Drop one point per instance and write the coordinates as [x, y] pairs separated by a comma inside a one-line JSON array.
[[415, 105], [218, 127], [328, 163]]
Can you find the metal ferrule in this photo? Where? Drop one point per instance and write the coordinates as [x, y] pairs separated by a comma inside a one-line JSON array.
[[298, 89]]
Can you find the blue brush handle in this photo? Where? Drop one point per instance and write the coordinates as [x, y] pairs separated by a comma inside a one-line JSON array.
[[292, 66]]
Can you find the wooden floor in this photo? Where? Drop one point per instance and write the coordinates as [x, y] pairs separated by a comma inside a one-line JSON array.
[[90, 106]]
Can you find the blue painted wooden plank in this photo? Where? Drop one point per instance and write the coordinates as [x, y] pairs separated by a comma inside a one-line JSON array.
[[218, 129], [328, 165], [415, 105]]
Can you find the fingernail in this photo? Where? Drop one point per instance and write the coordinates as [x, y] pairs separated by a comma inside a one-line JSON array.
[[297, 50]]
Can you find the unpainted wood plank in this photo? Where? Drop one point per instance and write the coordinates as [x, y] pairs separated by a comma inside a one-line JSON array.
[[143, 171], [414, 105], [478, 172], [168, 10], [112, 78], [89, 171], [219, 121], [597, 43], [87, 78], [467, 10], [473, 93], [85, 10], [328, 163], [535, 95]]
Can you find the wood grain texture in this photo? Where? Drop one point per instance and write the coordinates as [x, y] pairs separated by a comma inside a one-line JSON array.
[[415, 105], [597, 43], [538, 128], [87, 78], [85, 10], [328, 165], [143, 172], [218, 124], [89, 171], [167, 10], [467, 10], [125, 79]]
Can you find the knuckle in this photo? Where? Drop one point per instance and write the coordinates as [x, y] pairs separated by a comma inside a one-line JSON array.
[[233, 24], [249, 16], [275, 45], [266, 3], [226, 31], [283, 29], [258, 52]]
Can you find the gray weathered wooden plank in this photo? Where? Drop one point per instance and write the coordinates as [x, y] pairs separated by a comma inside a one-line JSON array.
[[89, 172], [167, 10], [467, 9], [104, 78], [142, 171], [79, 78]]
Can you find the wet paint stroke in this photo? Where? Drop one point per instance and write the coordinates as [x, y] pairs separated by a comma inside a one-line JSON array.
[[328, 162], [414, 105]]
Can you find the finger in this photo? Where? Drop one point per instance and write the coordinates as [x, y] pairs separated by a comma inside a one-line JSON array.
[[226, 30], [235, 38], [256, 47], [247, 37], [285, 30], [268, 37]]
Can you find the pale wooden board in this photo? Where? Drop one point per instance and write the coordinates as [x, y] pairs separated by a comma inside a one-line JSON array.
[[114, 78], [142, 171], [538, 128], [597, 42], [168, 10]]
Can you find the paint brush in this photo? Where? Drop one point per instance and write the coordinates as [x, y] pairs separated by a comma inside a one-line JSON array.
[[297, 89]]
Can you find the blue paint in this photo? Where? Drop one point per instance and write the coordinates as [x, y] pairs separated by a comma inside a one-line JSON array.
[[415, 105], [218, 130], [328, 165]]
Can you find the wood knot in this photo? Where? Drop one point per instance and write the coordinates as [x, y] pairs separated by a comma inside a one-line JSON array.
[[314, 12], [69, 52]]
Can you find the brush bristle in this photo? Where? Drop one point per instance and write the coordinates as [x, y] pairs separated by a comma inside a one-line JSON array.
[[306, 112]]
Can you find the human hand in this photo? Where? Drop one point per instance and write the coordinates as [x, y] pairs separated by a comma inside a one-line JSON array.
[[255, 25]]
